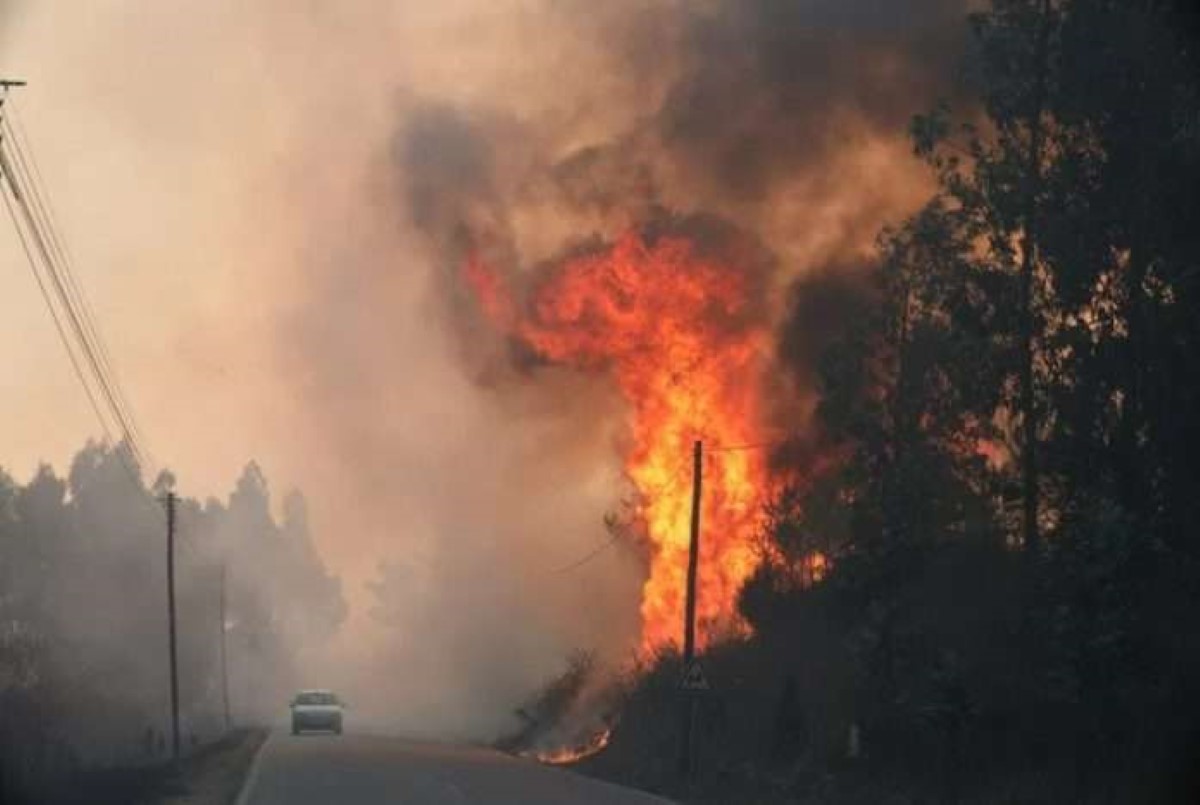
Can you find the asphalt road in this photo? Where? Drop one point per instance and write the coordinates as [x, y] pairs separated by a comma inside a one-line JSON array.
[[361, 769]]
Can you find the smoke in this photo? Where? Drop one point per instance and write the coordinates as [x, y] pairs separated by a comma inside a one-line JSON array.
[[314, 175], [85, 611], [775, 89], [784, 117]]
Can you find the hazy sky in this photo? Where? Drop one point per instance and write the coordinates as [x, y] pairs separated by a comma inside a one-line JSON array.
[[231, 178], [225, 179], [212, 167]]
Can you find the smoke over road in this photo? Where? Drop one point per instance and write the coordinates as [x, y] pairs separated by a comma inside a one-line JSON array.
[[274, 206]]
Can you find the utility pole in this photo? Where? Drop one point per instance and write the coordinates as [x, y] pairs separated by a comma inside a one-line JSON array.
[[171, 623], [224, 661], [689, 624], [7, 84], [687, 736]]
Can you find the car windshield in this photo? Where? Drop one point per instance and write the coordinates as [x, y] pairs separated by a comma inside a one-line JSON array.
[[316, 698]]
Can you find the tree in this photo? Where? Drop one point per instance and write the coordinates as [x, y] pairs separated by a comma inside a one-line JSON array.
[[82, 601], [1077, 194]]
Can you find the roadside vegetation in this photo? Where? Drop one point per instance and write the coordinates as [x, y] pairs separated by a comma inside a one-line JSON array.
[[1004, 609], [84, 680]]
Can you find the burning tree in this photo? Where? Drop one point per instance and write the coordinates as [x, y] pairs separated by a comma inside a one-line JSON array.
[[678, 325]]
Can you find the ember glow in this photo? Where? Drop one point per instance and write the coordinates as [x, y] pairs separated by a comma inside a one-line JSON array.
[[681, 335], [573, 754]]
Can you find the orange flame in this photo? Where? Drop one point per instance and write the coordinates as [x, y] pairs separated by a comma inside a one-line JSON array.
[[561, 757], [678, 333]]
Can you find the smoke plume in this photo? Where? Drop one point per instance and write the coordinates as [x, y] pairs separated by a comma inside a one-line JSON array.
[[317, 176]]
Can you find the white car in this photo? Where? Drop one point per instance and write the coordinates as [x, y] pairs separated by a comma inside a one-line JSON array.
[[316, 710]]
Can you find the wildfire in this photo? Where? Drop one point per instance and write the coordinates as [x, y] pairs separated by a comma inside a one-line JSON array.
[[561, 757], [678, 332]]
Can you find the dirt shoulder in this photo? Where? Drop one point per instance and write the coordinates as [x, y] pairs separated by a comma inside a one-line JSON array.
[[214, 775]]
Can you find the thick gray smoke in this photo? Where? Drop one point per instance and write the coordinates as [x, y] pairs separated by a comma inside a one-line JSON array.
[[340, 161], [782, 121]]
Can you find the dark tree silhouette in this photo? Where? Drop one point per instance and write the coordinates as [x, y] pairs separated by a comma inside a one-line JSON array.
[[83, 676]]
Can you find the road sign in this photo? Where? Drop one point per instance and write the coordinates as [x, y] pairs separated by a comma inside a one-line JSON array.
[[694, 678]]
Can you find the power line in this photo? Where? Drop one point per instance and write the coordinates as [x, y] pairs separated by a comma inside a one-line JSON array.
[[43, 240], [50, 306], [732, 448], [66, 342], [78, 288], [43, 199], [27, 201], [33, 201], [590, 555], [85, 350]]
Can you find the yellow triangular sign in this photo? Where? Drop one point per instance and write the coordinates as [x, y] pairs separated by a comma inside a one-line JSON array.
[[694, 678]]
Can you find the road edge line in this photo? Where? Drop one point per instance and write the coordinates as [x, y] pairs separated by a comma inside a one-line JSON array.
[[243, 795]]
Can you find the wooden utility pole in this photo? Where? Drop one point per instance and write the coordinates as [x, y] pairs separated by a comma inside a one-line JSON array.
[[224, 660], [689, 625], [687, 735], [171, 624]]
